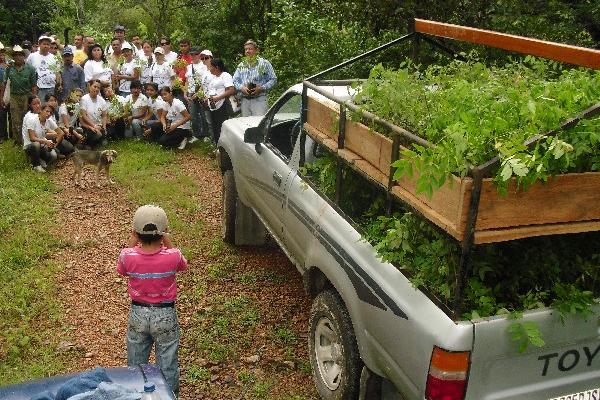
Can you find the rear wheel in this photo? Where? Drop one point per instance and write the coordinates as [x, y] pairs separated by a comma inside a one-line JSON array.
[[333, 351], [228, 205]]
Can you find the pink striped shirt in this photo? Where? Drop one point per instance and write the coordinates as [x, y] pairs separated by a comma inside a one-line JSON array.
[[151, 276]]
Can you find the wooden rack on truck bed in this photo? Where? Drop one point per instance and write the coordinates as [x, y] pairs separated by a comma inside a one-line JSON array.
[[470, 209]]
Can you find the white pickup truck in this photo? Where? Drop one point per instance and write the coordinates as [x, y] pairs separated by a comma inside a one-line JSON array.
[[372, 334]]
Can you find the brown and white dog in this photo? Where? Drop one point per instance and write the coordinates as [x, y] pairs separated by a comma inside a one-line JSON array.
[[101, 159]]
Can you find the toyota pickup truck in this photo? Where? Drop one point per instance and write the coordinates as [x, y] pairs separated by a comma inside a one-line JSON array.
[[372, 334]]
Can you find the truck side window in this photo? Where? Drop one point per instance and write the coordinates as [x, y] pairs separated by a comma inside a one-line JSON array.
[[284, 127]]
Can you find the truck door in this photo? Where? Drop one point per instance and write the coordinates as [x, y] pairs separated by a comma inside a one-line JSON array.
[[270, 169]]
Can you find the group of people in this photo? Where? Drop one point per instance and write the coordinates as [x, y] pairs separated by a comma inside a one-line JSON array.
[[59, 98]]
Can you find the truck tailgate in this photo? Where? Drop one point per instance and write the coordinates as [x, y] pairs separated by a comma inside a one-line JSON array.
[[566, 368]]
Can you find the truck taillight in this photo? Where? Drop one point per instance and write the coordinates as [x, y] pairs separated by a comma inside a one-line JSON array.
[[448, 372]]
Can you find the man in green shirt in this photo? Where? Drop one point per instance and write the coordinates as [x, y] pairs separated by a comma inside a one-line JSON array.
[[23, 81]]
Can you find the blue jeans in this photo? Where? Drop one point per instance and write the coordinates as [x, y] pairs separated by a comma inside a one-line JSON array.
[[148, 325]]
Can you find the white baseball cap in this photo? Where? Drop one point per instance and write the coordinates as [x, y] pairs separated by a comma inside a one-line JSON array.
[[17, 49], [206, 53], [159, 50], [44, 37], [126, 46], [1, 46], [150, 220]]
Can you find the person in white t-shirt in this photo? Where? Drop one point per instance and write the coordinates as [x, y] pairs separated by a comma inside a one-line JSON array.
[[174, 128], [36, 144], [220, 87], [94, 115], [68, 115], [128, 72], [170, 56], [46, 66], [146, 59], [156, 106], [139, 109], [162, 73], [194, 75], [115, 129], [96, 67]]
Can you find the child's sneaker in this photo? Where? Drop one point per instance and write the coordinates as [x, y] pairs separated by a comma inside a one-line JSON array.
[[193, 139], [183, 143], [39, 168]]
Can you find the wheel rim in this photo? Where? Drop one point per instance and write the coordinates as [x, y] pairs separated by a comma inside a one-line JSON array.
[[328, 354]]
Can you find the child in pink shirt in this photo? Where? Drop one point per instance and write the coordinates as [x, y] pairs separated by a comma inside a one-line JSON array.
[[150, 264]]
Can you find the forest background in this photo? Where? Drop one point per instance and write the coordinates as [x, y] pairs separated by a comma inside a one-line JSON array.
[[299, 37]]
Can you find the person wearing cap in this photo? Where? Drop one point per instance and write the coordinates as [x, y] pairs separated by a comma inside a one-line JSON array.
[[150, 264], [3, 113], [27, 48], [22, 85], [72, 75], [206, 57], [118, 33], [128, 71], [253, 78], [194, 75], [162, 73], [46, 67]]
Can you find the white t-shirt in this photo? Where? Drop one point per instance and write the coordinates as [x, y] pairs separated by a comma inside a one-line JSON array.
[[32, 122], [94, 108], [175, 113], [97, 70], [217, 86], [161, 74], [157, 104], [169, 58], [193, 75], [42, 65], [63, 110], [146, 70], [126, 69], [142, 101]]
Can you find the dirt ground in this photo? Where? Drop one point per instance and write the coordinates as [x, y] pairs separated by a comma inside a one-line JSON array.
[[267, 360]]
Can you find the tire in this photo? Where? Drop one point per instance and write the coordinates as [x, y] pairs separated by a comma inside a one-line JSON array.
[[332, 347], [228, 205]]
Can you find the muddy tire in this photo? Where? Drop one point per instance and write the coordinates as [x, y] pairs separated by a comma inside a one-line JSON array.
[[334, 356], [228, 207]]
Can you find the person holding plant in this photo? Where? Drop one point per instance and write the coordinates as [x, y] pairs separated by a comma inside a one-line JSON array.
[[139, 109], [3, 113], [68, 118], [183, 60], [195, 92], [118, 110], [145, 60], [96, 67], [174, 127], [220, 87], [22, 85], [94, 115], [162, 73], [253, 78], [128, 71]]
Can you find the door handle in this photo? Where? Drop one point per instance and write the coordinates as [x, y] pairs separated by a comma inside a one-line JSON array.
[[277, 178]]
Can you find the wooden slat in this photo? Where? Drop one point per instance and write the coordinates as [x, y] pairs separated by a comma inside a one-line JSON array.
[[367, 143], [320, 137], [502, 235], [556, 51], [564, 198], [323, 117]]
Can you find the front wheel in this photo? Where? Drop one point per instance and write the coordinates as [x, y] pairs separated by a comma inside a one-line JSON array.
[[228, 207], [333, 351]]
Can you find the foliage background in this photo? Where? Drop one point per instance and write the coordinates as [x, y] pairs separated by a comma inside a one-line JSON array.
[[300, 37]]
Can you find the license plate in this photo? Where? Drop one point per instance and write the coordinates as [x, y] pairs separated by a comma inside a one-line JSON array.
[[592, 394]]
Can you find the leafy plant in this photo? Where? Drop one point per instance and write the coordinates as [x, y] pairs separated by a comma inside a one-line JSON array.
[[472, 113]]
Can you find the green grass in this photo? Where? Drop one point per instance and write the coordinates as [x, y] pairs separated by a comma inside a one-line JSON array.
[[29, 321]]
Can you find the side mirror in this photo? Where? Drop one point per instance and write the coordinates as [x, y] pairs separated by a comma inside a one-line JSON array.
[[253, 135]]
